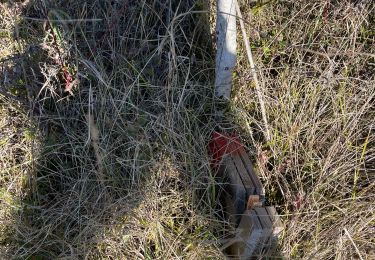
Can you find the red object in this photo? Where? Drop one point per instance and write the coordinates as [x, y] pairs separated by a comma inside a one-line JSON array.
[[222, 144], [68, 80]]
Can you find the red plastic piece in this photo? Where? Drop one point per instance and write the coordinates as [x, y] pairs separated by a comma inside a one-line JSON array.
[[222, 144]]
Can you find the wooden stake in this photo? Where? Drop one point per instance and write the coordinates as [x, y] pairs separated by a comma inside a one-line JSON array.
[[226, 33]]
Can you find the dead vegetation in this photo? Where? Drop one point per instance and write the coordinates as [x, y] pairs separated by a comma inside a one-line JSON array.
[[107, 111], [316, 61]]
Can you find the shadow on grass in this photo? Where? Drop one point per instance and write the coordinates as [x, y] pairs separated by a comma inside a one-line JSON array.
[[119, 95]]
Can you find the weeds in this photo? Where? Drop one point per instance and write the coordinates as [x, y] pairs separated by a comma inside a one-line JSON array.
[[122, 170], [106, 111], [319, 164]]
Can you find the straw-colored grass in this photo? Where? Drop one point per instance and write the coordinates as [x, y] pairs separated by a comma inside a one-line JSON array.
[[106, 110], [316, 61]]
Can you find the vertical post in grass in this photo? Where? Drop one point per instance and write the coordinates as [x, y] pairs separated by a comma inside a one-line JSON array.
[[226, 34]]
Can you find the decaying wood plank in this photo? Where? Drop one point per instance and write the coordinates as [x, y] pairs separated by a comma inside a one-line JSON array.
[[251, 241], [277, 228], [276, 221], [255, 233], [258, 227], [231, 213], [237, 191], [245, 177], [267, 227], [263, 217], [254, 177]]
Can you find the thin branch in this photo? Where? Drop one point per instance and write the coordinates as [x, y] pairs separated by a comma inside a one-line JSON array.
[[253, 71], [355, 246]]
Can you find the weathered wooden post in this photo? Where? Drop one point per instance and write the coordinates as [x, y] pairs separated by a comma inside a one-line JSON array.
[[226, 33]]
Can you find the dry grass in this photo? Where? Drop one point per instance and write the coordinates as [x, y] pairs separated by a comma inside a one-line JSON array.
[[317, 65], [114, 164], [122, 169]]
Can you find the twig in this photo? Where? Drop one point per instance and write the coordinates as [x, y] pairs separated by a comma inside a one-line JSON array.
[[253, 71], [94, 137], [63, 21], [351, 240]]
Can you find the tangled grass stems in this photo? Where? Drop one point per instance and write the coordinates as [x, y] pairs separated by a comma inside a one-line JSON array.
[[134, 180]]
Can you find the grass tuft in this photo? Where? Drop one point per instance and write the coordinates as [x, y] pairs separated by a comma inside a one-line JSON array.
[[106, 109]]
